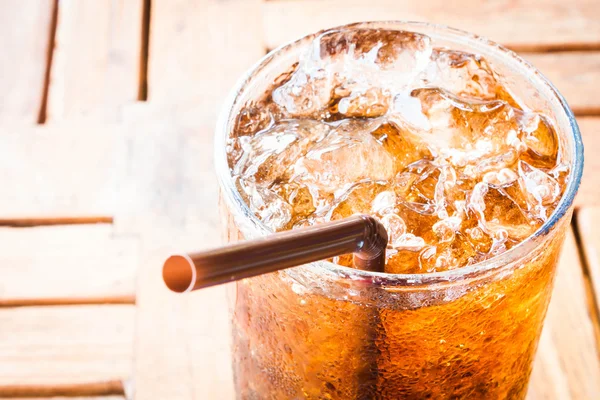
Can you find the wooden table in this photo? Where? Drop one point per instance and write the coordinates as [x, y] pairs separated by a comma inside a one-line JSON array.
[[106, 124]]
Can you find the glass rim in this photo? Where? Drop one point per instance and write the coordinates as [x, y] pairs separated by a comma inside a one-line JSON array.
[[236, 204]]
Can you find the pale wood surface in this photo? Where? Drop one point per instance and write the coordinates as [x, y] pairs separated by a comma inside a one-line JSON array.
[[95, 65], [589, 191], [24, 39], [145, 170], [57, 170], [79, 262], [523, 25], [567, 364], [199, 49], [572, 73], [70, 344], [588, 222]]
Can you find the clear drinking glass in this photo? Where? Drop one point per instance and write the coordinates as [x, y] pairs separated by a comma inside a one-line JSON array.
[[324, 331]]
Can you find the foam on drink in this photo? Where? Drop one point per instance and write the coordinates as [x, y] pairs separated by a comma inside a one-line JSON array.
[[428, 140]]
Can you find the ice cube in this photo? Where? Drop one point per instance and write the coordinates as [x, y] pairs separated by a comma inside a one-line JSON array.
[[396, 229], [300, 198], [422, 187], [540, 189], [384, 203], [401, 144], [356, 198], [500, 215], [475, 136], [267, 154], [542, 143], [500, 178], [409, 241], [461, 73], [305, 93], [272, 210], [348, 154], [255, 117], [365, 64], [372, 102], [447, 228]]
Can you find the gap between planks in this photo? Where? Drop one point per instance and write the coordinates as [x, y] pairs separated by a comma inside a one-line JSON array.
[[66, 301], [144, 51], [83, 390], [28, 222], [48, 70], [111, 397]]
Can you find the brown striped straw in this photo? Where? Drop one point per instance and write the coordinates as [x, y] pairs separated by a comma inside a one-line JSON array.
[[361, 235]]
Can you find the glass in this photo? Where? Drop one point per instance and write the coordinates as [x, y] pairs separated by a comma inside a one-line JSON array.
[[324, 331]]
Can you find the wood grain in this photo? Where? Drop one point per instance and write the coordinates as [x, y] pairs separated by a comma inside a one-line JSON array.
[[65, 345], [589, 191], [567, 364], [61, 263], [59, 170], [575, 74], [522, 25], [96, 62], [25, 27], [588, 223]]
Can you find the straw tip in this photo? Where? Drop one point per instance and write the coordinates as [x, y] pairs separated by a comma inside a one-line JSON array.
[[179, 273]]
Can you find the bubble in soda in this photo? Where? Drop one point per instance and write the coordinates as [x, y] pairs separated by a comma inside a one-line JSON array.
[[428, 140]]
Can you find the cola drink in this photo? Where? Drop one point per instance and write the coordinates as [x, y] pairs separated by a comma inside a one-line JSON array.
[[408, 124]]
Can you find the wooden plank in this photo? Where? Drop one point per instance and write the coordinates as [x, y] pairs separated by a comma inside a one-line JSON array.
[[588, 222], [185, 72], [63, 170], [25, 27], [167, 178], [80, 263], [96, 62], [522, 25], [548, 380], [575, 74], [65, 345], [589, 191], [175, 193], [194, 335], [567, 364], [173, 206]]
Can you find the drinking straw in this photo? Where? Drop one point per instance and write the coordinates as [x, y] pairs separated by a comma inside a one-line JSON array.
[[362, 235]]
